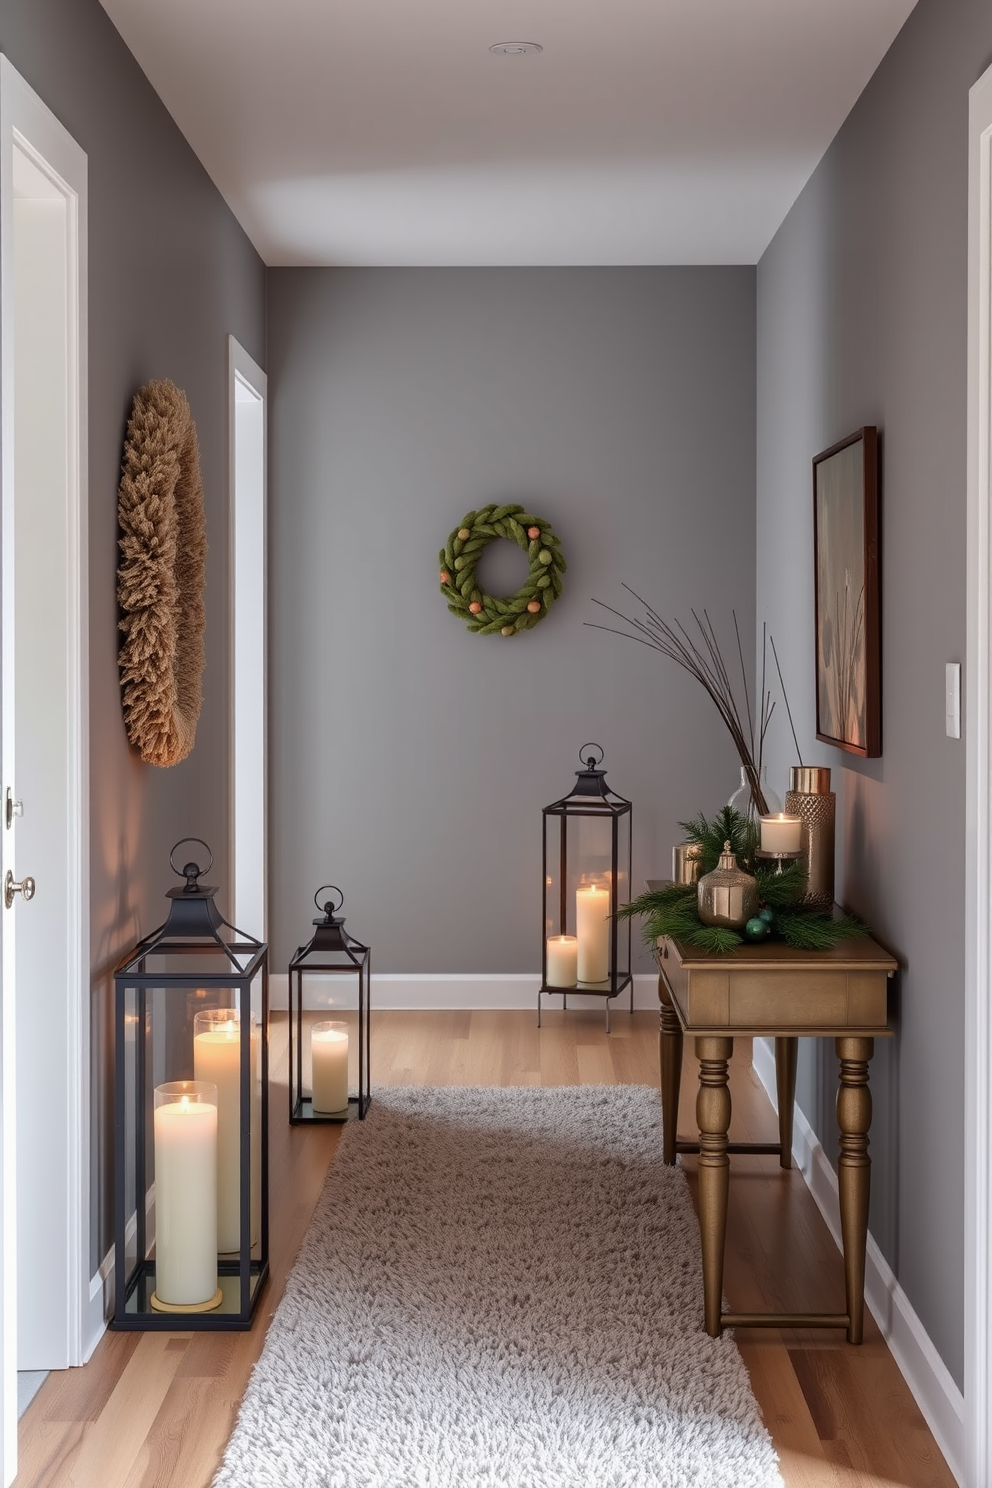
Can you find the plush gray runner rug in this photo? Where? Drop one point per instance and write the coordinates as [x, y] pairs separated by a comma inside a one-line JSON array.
[[500, 1289]]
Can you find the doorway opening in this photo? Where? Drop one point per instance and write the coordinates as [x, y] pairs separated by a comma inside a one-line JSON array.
[[44, 940], [249, 701], [978, 733]]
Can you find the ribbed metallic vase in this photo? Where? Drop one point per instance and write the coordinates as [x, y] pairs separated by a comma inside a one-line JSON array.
[[810, 797], [728, 896]]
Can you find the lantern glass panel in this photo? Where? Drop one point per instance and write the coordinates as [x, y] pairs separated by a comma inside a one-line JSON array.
[[335, 999], [128, 1178]]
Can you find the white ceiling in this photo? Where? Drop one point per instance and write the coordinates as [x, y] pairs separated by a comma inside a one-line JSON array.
[[385, 132]]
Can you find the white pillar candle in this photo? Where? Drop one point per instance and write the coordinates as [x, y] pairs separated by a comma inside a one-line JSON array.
[[781, 833], [563, 956], [185, 1193], [329, 1060], [217, 1058], [592, 908]]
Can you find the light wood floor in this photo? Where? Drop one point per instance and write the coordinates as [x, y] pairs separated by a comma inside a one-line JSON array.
[[154, 1410]]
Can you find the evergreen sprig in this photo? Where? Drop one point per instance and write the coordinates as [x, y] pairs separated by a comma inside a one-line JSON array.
[[810, 930], [727, 826]]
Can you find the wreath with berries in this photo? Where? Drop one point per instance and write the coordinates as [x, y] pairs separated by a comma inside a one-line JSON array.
[[488, 614]]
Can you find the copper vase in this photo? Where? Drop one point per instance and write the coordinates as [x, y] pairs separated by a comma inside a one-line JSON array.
[[811, 798]]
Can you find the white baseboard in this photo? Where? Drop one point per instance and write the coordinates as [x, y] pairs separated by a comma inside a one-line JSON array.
[[928, 1377], [101, 1294], [456, 991], [101, 1305]]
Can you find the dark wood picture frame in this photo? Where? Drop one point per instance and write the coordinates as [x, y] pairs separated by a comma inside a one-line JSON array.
[[846, 568]]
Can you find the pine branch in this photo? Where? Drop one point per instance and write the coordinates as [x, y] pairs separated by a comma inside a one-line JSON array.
[[816, 932], [781, 890], [727, 826]]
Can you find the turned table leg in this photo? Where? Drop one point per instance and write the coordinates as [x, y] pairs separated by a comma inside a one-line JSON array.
[[670, 1049], [854, 1172], [786, 1060], [713, 1118]]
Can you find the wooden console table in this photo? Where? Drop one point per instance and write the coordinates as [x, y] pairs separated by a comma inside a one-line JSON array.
[[768, 990]]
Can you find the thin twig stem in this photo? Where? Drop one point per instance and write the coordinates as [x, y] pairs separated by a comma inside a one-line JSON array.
[[785, 697]]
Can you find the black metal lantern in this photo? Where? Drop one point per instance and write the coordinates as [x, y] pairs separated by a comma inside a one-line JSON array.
[[191, 1224], [329, 1020], [587, 866]]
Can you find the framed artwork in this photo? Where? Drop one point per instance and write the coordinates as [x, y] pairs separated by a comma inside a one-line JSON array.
[[845, 548]]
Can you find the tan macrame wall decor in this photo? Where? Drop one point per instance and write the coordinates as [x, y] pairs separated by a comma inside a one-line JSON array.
[[161, 576]]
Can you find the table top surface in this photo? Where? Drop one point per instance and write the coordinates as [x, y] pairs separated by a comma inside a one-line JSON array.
[[859, 953]]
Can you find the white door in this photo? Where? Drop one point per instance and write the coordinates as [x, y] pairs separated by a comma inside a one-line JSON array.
[[44, 1180], [249, 701]]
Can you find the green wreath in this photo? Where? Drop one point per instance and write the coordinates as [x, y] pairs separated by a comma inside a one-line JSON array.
[[482, 612]]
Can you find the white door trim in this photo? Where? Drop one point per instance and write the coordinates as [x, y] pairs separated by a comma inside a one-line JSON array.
[[978, 815], [26, 124], [248, 454]]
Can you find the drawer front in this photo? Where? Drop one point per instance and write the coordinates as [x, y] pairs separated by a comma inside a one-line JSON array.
[[760, 999]]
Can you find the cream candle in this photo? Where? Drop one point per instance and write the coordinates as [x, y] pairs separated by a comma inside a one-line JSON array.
[[563, 954], [329, 1061], [781, 833], [185, 1193], [217, 1059], [592, 908]]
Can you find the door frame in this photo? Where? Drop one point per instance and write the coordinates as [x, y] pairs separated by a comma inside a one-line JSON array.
[[26, 124], [248, 386], [978, 813]]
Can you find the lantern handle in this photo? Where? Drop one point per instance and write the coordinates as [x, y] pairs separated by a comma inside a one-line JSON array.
[[328, 908], [190, 871], [590, 763]]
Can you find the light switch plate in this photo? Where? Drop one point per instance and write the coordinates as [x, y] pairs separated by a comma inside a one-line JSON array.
[[952, 699]]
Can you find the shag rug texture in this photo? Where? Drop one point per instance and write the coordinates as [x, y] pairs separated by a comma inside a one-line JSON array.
[[501, 1288]]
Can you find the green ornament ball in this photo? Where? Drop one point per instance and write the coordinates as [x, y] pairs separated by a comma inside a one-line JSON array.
[[756, 928], [766, 913]]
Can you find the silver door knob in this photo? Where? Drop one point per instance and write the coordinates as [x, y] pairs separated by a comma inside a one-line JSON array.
[[10, 888]]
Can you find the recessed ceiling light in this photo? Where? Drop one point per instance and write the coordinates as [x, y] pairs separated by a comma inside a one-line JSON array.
[[515, 48]]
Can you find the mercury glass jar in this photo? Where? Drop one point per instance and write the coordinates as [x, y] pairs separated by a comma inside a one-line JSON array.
[[728, 896]]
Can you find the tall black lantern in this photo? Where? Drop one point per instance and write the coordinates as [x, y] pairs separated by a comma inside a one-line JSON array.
[[329, 1062], [191, 1222], [587, 865]]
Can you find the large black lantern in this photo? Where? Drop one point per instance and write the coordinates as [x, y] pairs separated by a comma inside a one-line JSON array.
[[587, 865], [191, 1224], [329, 1060]]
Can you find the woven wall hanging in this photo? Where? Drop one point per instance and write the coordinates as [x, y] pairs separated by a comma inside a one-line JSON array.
[[161, 576]]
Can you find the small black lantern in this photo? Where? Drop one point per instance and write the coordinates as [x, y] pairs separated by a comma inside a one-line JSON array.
[[587, 867], [191, 1223], [329, 1020]]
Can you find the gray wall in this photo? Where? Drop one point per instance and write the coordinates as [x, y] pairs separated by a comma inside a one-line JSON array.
[[862, 320], [410, 759], [170, 275]]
